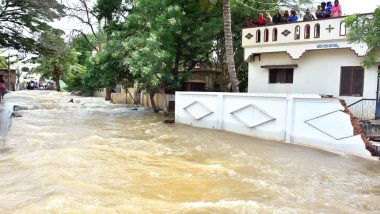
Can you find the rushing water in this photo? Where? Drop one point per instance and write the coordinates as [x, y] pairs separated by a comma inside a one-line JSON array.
[[91, 156]]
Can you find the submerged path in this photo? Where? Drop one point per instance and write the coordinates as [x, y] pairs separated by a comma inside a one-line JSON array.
[[6, 109], [91, 156]]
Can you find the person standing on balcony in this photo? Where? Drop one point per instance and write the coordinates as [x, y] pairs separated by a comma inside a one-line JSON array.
[[336, 9], [250, 23], [326, 9], [261, 20], [285, 17], [308, 16], [293, 17], [318, 12], [277, 18], [325, 13], [268, 18]]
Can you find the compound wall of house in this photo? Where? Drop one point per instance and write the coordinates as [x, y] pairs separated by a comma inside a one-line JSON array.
[[298, 119], [318, 72]]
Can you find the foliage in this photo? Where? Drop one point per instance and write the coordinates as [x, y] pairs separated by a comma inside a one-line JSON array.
[[83, 48], [107, 9], [106, 67], [23, 21], [366, 30], [3, 62], [56, 58], [156, 43], [165, 38]]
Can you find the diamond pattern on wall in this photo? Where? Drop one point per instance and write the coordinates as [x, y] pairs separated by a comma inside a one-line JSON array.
[[286, 32], [197, 110], [337, 130], [252, 116], [249, 36]]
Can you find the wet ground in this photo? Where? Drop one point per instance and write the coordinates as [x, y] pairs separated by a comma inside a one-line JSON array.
[[91, 156]]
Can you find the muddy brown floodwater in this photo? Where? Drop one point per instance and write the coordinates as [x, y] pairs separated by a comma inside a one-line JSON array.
[[91, 156]]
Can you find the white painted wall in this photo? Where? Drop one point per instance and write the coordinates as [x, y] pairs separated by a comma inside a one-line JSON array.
[[286, 117], [318, 72]]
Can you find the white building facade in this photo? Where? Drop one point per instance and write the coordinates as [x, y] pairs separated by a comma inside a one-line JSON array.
[[311, 57], [290, 67]]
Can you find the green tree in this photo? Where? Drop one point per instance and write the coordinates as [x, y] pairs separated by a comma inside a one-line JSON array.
[[229, 46], [56, 58], [163, 39], [106, 67], [235, 14], [363, 29], [110, 11], [22, 21], [228, 40]]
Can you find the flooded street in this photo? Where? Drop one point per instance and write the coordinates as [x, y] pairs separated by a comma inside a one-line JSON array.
[[91, 156]]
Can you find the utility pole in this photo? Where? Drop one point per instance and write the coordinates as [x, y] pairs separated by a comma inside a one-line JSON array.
[[9, 70], [377, 110]]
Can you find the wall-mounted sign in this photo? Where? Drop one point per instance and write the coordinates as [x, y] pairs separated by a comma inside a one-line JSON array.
[[332, 45]]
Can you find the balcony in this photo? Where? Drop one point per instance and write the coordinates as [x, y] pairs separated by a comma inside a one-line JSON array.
[[296, 38]]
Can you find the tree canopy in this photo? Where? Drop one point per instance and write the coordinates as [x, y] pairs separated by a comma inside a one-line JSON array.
[[21, 22], [367, 30]]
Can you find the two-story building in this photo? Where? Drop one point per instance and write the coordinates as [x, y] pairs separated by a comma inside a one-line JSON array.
[[312, 57]]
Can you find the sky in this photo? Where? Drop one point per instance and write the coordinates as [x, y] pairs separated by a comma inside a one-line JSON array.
[[350, 7]]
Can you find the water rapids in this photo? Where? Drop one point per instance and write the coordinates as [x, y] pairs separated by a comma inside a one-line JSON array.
[[91, 156]]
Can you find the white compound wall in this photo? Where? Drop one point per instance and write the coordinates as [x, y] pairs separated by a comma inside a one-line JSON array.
[[299, 119]]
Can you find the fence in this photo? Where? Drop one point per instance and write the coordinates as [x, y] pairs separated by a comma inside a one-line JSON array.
[[364, 109]]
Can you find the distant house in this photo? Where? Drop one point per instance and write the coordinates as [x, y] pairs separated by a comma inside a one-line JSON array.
[[205, 77], [8, 76]]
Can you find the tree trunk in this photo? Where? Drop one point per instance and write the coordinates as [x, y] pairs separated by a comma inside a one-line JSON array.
[[108, 93], [229, 46], [155, 108], [57, 77], [164, 101]]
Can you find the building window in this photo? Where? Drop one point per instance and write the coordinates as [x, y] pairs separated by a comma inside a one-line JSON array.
[[297, 31], [351, 81], [342, 28], [258, 36], [194, 86], [266, 35], [307, 31], [317, 31], [281, 75], [274, 35], [197, 65]]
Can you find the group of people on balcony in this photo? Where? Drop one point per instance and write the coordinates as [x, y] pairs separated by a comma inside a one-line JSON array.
[[324, 10]]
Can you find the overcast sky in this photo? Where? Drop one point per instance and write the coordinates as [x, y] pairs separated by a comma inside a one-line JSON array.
[[350, 7]]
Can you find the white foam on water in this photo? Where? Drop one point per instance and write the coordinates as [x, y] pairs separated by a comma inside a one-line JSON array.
[[94, 156]]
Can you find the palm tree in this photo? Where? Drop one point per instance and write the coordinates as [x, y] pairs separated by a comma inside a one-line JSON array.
[[229, 46], [228, 41]]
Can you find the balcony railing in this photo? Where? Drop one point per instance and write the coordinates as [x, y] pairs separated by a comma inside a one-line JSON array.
[[317, 30]]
